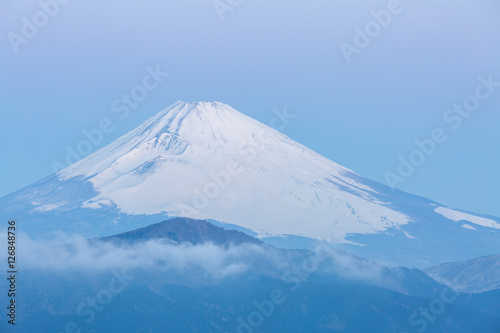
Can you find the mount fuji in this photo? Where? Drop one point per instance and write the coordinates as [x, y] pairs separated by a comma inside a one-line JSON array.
[[205, 160]]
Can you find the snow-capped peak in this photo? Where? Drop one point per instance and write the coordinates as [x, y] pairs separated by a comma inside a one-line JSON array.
[[206, 160]]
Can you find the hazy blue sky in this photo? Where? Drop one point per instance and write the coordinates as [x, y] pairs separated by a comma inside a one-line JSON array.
[[263, 55]]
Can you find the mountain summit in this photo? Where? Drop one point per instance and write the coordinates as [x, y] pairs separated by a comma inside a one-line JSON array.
[[207, 161]]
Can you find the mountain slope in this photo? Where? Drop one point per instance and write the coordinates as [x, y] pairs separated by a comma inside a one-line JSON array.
[[184, 230], [177, 163], [227, 307], [173, 292], [478, 275], [208, 161]]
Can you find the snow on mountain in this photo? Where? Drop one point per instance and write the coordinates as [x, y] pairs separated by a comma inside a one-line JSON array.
[[177, 163], [208, 161], [460, 216]]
